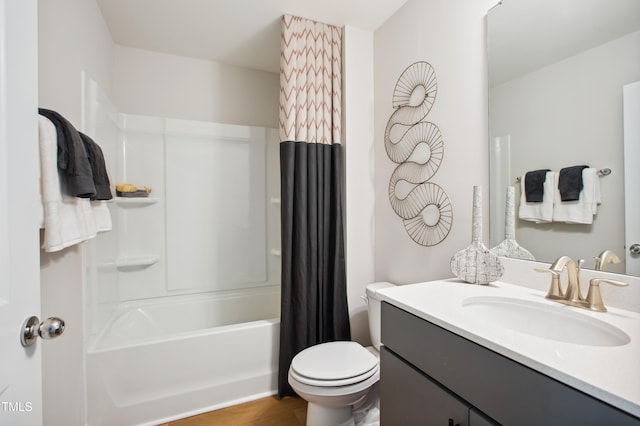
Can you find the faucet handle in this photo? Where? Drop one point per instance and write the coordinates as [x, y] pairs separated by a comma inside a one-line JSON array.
[[594, 298], [555, 291]]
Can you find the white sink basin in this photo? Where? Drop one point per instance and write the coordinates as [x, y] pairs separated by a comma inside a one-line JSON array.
[[547, 321]]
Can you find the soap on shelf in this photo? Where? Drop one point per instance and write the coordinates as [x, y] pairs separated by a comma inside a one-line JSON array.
[[129, 190]]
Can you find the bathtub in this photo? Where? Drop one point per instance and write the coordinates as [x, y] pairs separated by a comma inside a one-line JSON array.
[[161, 360]]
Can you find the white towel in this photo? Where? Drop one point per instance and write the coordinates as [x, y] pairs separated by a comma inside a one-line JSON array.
[[67, 220], [582, 210], [538, 212], [102, 215]]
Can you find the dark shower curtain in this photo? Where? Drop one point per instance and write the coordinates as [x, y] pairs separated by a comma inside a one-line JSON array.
[[314, 295]]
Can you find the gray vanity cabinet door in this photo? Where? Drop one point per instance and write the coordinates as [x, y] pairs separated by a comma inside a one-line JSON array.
[[408, 397]]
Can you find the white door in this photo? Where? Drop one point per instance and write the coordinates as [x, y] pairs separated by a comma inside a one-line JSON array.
[[20, 371], [631, 95]]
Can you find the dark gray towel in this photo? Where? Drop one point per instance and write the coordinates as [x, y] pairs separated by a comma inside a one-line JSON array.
[[534, 185], [98, 169], [570, 183], [76, 177]]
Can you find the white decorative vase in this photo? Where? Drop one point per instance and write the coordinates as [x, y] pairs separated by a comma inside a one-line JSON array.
[[475, 264], [510, 247]]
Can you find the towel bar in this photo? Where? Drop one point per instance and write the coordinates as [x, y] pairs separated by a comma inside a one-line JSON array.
[[601, 172]]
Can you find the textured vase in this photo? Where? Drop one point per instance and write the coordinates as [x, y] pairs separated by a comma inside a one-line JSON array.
[[475, 264], [510, 247]]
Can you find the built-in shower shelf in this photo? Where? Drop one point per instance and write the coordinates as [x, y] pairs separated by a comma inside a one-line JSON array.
[[135, 201], [129, 263]]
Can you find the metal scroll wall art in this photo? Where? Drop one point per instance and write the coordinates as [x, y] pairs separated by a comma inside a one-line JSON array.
[[417, 147]]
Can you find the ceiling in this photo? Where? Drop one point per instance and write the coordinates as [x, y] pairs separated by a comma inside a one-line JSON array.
[[525, 35], [244, 33]]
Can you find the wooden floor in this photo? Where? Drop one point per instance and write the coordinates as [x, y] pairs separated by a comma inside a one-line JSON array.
[[269, 411]]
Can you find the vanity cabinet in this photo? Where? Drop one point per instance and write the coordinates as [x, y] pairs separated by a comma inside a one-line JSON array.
[[430, 375]]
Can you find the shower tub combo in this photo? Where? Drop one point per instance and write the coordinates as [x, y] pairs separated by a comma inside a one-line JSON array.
[[183, 296]]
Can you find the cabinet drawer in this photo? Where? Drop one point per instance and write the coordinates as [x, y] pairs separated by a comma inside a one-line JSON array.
[[408, 397], [508, 392]]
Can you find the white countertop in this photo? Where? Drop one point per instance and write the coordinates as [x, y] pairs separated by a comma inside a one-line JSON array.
[[608, 373]]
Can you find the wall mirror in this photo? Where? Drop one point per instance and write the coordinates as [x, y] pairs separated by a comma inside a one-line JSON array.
[[556, 70]]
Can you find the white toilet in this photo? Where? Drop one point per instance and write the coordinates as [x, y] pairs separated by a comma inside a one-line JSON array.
[[334, 377]]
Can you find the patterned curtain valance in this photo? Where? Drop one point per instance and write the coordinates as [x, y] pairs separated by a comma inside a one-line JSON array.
[[310, 81]]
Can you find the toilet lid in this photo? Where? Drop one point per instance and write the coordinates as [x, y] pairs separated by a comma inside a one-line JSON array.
[[334, 364]]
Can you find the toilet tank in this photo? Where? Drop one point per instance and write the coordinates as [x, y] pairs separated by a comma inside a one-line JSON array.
[[373, 301]]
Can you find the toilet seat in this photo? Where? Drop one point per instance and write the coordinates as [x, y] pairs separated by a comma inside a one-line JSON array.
[[329, 383], [334, 364]]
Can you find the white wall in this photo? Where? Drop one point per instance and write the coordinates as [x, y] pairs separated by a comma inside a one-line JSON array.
[[72, 37], [450, 35], [534, 110], [163, 85], [358, 143]]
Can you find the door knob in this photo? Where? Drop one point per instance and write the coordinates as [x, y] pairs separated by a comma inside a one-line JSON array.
[[47, 329], [635, 249]]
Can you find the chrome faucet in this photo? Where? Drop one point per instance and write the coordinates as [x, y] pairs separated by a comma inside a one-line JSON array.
[[572, 295], [604, 258]]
